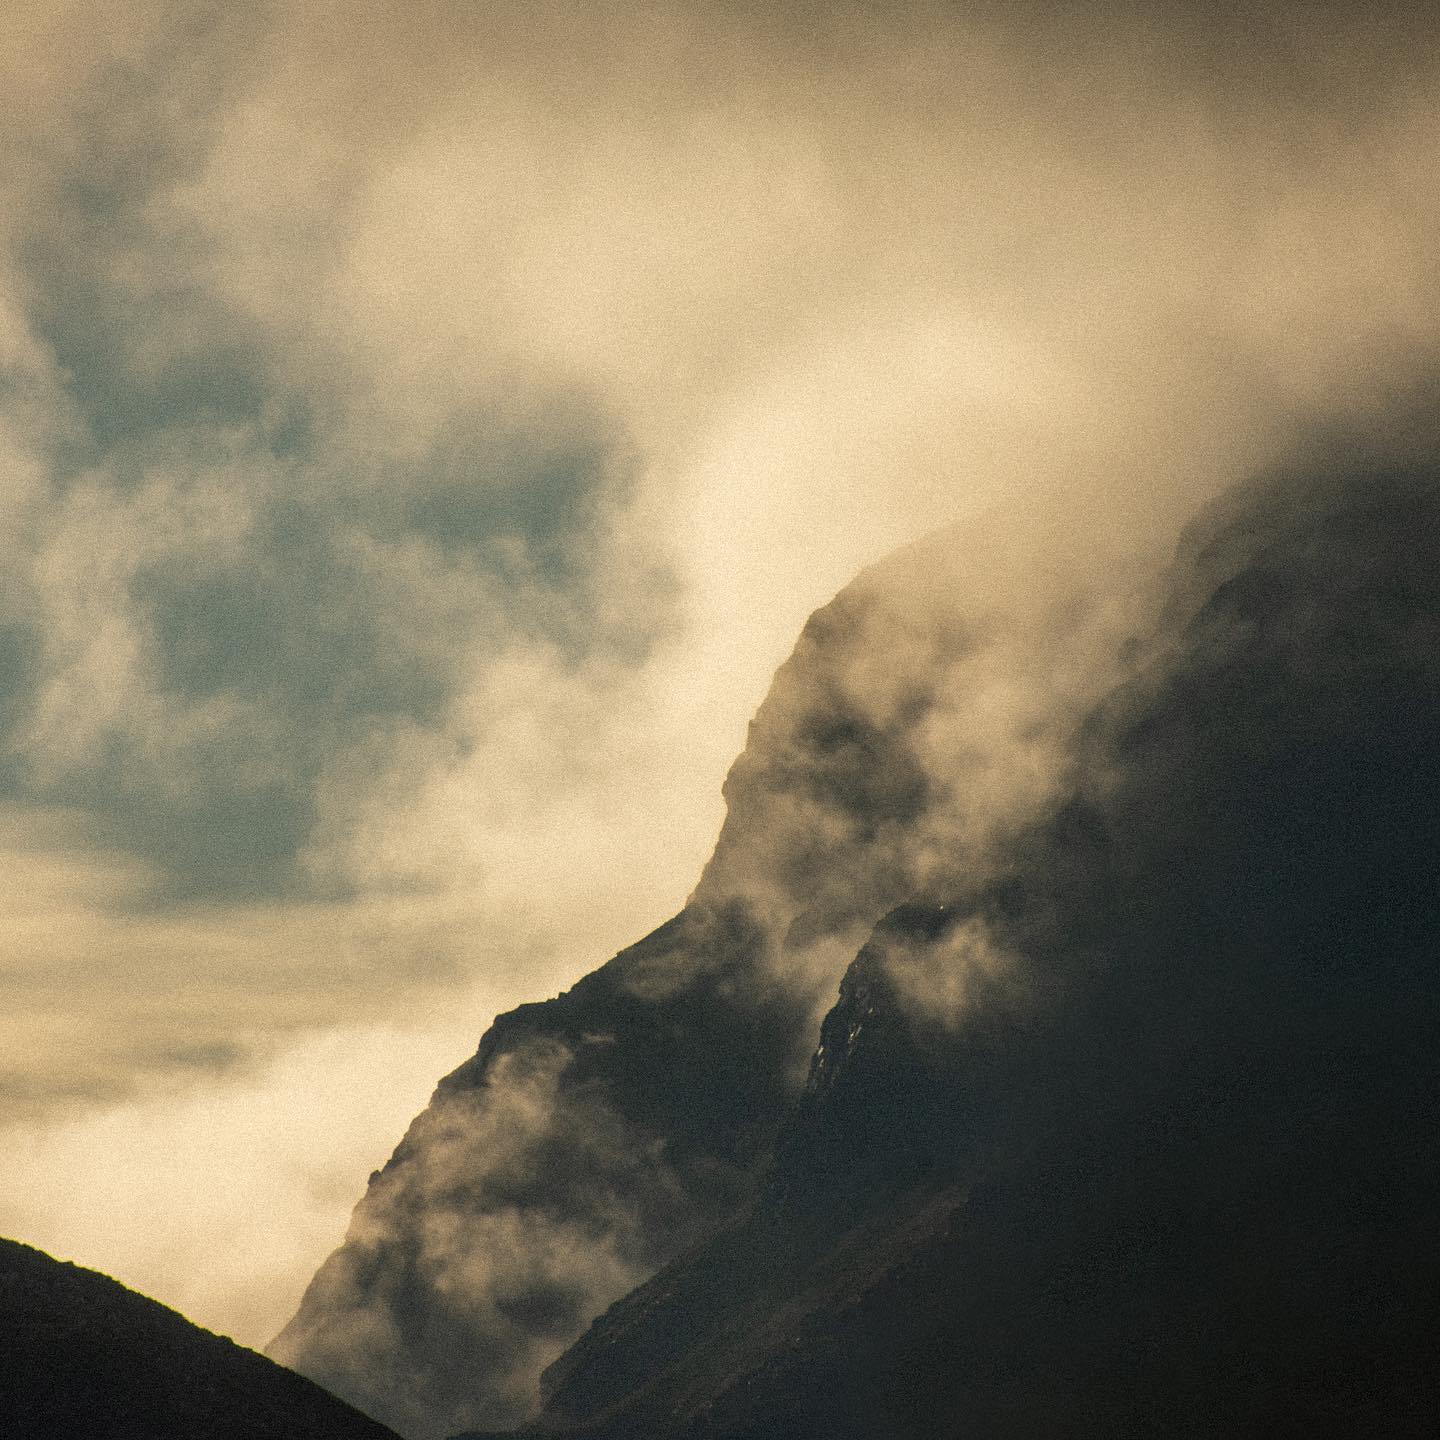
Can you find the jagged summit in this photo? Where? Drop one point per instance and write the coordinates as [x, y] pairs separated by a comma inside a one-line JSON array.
[[597, 1135]]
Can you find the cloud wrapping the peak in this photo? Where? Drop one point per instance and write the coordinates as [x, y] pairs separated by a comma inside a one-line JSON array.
[[425, 427]]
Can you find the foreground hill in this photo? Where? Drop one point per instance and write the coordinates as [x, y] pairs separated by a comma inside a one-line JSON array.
[[86, 1359]]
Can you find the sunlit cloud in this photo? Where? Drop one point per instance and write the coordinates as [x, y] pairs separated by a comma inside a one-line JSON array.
[[425, 428]]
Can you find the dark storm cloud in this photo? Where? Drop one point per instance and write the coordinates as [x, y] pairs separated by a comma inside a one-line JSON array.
[[292, 613], [231, 588], [114, 279]]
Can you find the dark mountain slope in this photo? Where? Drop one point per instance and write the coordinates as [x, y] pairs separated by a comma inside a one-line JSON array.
[[1136, 1135], [83, 1358], [590, 1139], [597, 1135]]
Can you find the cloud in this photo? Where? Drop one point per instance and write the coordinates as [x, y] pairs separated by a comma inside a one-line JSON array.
[[226, 593], [425, 428], [511, 1280], [244, 619], [578, 236], [236, 1155]]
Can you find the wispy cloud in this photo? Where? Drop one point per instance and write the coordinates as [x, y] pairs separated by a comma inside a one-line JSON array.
[[424, 428]]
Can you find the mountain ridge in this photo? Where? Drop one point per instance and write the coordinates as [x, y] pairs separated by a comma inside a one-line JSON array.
[[1167, 1165], [1226, 821], [555, 1140]]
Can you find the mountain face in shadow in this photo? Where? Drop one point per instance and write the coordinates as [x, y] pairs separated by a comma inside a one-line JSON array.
[[596, 1136], [87, 1359], [1122, 1123], [590, 1139], [1134, 1133]]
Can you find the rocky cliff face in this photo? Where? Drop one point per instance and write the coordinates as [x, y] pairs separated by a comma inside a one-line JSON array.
[[596, 1136], [589, 1140], [84, 1356], [1120, 1123], [1135, 1136]]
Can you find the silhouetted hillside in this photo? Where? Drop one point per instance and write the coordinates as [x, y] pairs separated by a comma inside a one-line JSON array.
[[86, 1359]]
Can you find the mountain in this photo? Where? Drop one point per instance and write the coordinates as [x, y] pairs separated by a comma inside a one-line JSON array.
[[1123, 1121], [596, 1136], [87, 1359], [1135, 1135]]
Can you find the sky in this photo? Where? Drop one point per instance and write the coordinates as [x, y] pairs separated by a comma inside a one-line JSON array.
[[425, 427]]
